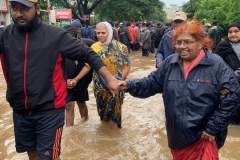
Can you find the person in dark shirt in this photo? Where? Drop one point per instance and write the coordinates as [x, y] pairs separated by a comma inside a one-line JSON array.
[[216, 34], [77, 85]]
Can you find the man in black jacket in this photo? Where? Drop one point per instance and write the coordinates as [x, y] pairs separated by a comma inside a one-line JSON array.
[[124, 36], [32, 57], [216, 34]]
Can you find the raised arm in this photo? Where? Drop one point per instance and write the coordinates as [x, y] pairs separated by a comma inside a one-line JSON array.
[[77, 50]]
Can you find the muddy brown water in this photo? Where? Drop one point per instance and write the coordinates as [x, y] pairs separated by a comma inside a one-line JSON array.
[[142, 137]]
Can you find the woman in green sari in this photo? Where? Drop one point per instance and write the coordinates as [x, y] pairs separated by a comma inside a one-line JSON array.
[[118, 63]]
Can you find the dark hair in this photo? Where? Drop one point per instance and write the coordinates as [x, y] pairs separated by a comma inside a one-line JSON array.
[[148, 24], [116, 24], [214, 22], [128, 24], [110, 22], [71, 29], [2, 23], [194, 29], [234, 24]]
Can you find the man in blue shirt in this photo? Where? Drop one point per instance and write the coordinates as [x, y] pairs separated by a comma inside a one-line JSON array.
[[165, 47]]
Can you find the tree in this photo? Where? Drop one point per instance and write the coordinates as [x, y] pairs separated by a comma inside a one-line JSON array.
[[116, 10], [134, 10], [79, 7], [224, 11], [158, 16], [191, 6]]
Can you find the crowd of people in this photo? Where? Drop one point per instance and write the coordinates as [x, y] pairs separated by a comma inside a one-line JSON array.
[[197, 73], [134, 35]]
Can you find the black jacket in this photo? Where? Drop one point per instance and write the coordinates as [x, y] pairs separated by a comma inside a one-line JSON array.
[[193, 105], [33, 66], [124, 36], [225, 50]]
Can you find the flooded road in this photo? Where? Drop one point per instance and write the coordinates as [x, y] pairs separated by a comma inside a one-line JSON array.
[[142, 137]]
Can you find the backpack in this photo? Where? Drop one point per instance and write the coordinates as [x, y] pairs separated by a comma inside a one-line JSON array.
[[94, 35], [153, 33], [83, 31], [216, 36]]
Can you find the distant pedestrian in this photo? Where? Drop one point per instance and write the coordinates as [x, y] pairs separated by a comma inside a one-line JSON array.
[[77, 24], [124, 36], [145, 39], [132, 35], [216, 34]]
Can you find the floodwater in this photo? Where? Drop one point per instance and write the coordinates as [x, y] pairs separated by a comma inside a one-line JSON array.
[[142, 137]]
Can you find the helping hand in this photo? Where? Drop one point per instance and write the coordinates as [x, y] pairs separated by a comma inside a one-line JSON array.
[[122, 85], [113, 86]]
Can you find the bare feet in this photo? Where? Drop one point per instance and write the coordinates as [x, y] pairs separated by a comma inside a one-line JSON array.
[[114, 126], [84, 118]]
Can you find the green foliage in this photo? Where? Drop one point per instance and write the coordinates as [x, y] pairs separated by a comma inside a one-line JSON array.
[[115, 10], [79, 7], [43, 4], [158, 16], [224, 11], [134, 10], [191, 6]]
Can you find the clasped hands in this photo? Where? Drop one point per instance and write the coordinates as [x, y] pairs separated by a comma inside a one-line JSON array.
[[71, 83], [114, 85]]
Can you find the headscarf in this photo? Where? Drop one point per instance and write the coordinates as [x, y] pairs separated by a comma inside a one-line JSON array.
[[234, 24], [226, 47], [110, 33]]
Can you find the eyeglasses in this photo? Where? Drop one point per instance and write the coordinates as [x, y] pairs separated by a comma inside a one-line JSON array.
[[185, 42], [101, 32]]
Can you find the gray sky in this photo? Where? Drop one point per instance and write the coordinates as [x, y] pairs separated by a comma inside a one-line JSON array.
[[177, 2]]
